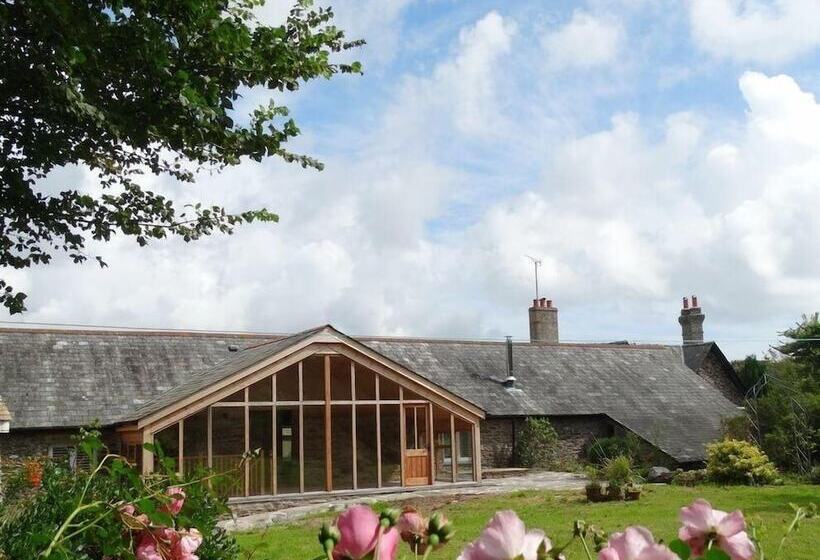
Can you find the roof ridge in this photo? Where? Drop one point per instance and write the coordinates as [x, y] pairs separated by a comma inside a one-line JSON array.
[[136, 331], [515, 343]]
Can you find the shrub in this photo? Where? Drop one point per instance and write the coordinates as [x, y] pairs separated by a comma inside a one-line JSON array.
[[689, 478], [103, 511], [618, 471], [733, 461], [537, 443]]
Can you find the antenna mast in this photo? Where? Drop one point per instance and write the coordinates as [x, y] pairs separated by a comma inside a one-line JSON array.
[[536, 263]]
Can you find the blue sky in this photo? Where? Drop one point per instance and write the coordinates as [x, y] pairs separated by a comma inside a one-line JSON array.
[[645, 149]]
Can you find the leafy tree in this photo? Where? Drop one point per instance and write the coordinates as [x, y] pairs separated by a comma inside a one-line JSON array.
[[784, 406], [129, 87]]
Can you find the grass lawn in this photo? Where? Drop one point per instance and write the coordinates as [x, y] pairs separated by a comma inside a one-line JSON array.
[[766, 508]]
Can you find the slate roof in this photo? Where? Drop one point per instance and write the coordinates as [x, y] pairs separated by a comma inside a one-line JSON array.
[[69, 378], [647, 389], [695, 354]]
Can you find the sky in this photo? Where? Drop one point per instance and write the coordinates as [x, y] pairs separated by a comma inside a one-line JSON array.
[[645, 150]]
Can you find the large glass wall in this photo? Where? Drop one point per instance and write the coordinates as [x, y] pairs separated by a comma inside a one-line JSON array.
[[325, 423]]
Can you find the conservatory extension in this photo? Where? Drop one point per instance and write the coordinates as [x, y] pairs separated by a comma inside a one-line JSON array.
[[319, 412]]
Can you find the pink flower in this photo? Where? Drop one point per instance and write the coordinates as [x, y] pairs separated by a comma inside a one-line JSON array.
[[359, 529], [504, 538], [635, 543], [147, 547], [701, 524], [413, 529], [177, 500], [128, 514], [188, 542]]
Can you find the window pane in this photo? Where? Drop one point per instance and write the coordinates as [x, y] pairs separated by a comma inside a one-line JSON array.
[[261, 391], [464, 441], [365, 384], [411, 396], [443, 449], [261, 437], [239, 396], [287, 384], [314, 442], [168, 441], [391, 445], [287, 449], [388, 391], [228, 434], [340, 379], [195, 442], [313, 378], [341, 417], [366, 455]]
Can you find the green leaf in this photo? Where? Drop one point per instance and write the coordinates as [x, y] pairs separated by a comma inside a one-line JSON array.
[[716, 554], [681, 549]]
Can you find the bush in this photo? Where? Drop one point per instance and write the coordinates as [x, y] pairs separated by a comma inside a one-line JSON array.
[[602, 450], [733, 461], [103, 511], [618, 471], [689, 478], [537, 443]]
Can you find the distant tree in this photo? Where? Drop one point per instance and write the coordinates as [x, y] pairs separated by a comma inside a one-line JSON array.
[[129, 87], [804, 347], [784, 401]]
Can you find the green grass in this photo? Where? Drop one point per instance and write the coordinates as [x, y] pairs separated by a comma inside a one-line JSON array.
[[766, 508]]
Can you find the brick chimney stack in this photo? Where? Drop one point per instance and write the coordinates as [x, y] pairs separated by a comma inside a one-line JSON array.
[[543, 321], [691, 321]]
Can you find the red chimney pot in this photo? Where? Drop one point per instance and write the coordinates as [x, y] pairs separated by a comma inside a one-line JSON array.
[[549, 303], [694, 301], [542, 302], [686, 303]]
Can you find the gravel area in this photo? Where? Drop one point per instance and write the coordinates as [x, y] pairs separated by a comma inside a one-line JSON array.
[[294, 512]]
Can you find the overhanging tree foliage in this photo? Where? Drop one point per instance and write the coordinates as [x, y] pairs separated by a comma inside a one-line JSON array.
[[133, 87]]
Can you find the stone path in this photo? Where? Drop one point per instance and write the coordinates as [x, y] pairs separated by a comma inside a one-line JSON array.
[[531, 481]]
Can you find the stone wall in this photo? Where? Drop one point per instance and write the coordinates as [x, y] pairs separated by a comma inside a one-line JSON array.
[[20, 444], [713, 370], [500, 434]]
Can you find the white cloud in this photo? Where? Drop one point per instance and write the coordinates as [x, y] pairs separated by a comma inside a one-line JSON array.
[[767, 32], [627, 218], [586, 41]]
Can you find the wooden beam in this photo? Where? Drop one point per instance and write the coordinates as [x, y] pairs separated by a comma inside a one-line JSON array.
[[353, 424], [378, 437], [181, 448], [301, 436], [328, 427], [477, 452], [431, 437], [210, 443], [274, 436], [247, 446], [402, 436], [147, 456], [453, 448]]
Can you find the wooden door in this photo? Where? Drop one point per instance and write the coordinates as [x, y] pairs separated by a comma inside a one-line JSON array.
[[416, 445]]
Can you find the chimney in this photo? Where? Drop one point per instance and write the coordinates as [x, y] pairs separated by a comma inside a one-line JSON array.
[[509, 382], [543, 321], [691, 321]]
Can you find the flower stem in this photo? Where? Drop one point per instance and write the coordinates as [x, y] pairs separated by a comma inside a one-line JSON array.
[[586, 547]]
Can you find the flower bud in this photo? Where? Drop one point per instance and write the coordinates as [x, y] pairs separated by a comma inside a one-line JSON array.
[[329, 537], [388, 518]]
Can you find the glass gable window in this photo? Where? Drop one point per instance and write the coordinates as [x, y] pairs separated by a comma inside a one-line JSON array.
[[323, 423]]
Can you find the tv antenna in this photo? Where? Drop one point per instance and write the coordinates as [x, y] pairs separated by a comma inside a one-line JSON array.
[[536, 263]]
